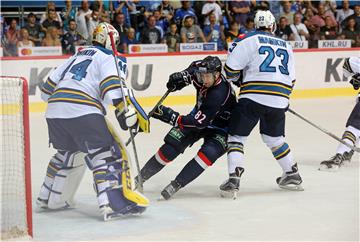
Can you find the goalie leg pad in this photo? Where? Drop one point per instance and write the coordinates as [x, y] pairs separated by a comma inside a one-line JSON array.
[[112, 182], [64, 174]]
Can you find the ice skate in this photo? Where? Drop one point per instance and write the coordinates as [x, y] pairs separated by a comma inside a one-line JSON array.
[[230, 187], [335, 162], [170, 190], [290, 180]]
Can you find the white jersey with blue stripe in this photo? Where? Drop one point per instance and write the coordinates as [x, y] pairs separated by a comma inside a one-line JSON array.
[[266, 64], [86, 83]]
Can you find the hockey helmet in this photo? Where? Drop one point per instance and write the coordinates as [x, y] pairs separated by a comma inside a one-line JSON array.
[[265, 19], [209, 65], [101, 35]]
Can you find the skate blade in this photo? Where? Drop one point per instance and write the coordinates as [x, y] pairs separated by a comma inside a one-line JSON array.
[[229, 194], [114, 216], [298, 188], [333, 168]]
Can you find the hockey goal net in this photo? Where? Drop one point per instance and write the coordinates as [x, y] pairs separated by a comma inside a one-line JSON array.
[[15, 197]]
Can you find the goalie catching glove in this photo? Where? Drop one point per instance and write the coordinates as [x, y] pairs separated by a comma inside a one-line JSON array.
[[166, 115], [135, 115]]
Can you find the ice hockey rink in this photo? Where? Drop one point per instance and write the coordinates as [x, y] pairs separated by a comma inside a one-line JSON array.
[[328, 209]]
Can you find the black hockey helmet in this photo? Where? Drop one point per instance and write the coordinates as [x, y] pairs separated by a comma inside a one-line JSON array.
[[210, 64]]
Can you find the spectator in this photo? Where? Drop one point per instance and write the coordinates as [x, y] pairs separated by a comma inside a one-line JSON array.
[[11, 38], [119, 25], [92, 22], [214, 32], [319, 19], [125, 7], [249, 26], [350, 33], [129, 39], [211, 7], [68, 13], [355, 16], [185, 10], [103, 14], [166, 10], [190, 32], [275, 8], [299, 29], [297, 6], [51, 21], [151, 34], [343, 13], [314, 30], [284, 31], [71, 39], [240, 10], [328, 31], [232, 33], [51, 7], [161, 23], [172, 39], [81, 19], [51, 37], [34, 29], [24, 39], [287, 13]]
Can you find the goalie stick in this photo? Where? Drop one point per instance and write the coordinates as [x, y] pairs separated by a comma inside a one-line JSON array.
[[151, 113], [354, 148], [126, 109]]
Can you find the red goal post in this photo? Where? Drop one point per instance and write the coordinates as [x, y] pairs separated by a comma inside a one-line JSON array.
[[15, 197]]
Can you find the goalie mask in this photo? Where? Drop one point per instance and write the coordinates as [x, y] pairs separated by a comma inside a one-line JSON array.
[[265, 19], [101, 35], [208, 70]]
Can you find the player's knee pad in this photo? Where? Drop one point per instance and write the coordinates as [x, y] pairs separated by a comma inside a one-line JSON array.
[[211, 151], [64, 174], [236, 143], [166, 154], [273, 142], [176, 139], [278, 146]]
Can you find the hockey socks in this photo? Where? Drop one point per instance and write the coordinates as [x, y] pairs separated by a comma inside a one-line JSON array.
[[191, 171], [350, 136]]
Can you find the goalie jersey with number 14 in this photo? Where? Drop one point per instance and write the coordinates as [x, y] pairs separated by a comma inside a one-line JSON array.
[[77, 93]]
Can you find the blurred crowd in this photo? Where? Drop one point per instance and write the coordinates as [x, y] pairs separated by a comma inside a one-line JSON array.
[[175, 22]]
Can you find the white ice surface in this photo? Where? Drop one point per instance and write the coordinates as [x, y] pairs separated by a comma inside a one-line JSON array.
[[328, 209]]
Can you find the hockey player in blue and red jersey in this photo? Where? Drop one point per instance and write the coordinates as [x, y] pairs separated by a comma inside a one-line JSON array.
[[208, 120], [351, 69], [263, 66], [77, 93]]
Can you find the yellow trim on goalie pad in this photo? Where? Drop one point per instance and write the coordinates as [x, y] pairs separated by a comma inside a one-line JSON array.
[[128, 193]]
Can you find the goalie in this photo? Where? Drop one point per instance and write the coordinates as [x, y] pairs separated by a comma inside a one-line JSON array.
[[77, 93], [351, 68]]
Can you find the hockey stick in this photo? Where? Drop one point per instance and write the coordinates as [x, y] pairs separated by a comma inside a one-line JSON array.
[[141, 189], [151, 112], [354, 148]]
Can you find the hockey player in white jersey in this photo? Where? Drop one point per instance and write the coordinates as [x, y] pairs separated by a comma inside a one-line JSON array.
[[262, 65], [77, 93], [351, 69]]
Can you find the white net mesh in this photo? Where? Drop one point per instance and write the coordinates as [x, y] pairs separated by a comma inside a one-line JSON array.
[[12, 161]]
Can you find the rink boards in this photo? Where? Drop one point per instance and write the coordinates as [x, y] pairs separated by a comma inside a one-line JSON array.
[[318, 74]]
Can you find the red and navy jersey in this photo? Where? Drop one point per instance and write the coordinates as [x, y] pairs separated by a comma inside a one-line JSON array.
[[213, 106]]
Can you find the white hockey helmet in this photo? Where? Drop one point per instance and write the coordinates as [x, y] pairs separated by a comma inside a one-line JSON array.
[[101, 35], [265, 19]]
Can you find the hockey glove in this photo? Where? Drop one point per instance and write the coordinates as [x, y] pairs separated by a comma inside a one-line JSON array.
[[355, 81], [127, 119], [178, 80], [166, 115]]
